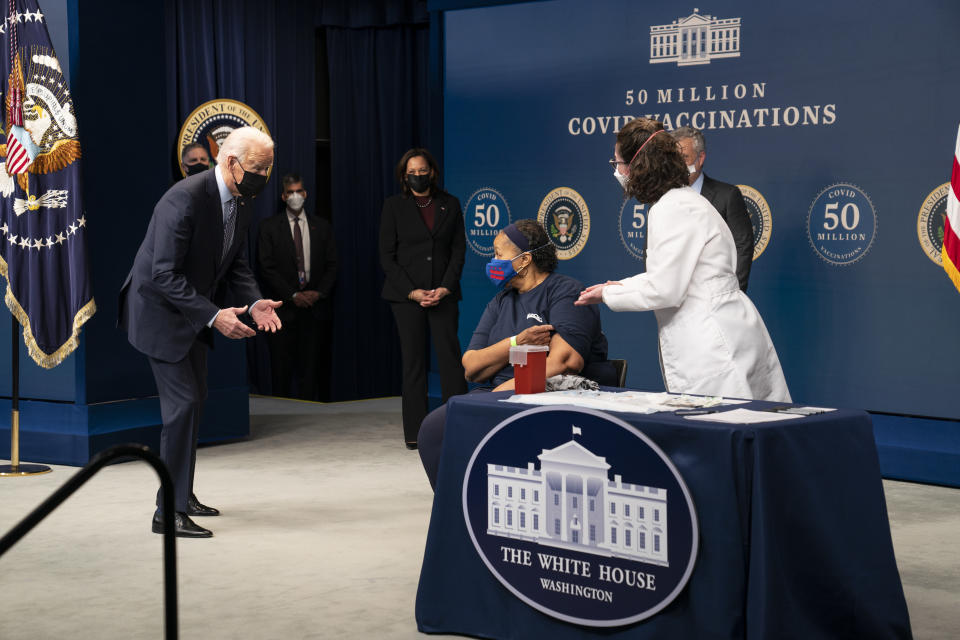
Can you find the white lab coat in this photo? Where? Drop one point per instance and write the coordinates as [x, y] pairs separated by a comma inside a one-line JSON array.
[[712, 339]]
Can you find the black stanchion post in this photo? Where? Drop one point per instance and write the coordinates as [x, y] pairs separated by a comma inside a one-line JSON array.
[[100, 460]]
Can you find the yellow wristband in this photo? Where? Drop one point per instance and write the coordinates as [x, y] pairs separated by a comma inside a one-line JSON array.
[[513, 341]]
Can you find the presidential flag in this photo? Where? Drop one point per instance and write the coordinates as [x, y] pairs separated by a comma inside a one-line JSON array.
[[43, 249], [951, 226]]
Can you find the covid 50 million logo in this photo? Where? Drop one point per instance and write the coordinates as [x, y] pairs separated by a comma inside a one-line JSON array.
[[581, 516], [633, 228], [486, 215], [842, 224]]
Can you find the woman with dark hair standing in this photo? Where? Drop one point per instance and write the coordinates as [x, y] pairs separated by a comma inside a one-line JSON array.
[[712, 339], [534, 305], [422, 251]]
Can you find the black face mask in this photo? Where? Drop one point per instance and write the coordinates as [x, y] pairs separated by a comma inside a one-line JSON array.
[[194, 169], [418, 183], [252, 183]]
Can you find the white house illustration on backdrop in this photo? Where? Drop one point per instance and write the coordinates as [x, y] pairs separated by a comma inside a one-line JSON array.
[[571, 503], [696, 39]]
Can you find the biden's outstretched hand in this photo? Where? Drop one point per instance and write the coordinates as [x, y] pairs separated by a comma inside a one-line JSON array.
[[265, 316], [229, 325]]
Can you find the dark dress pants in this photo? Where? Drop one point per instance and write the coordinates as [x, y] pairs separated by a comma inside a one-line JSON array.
[[183, 389], [430, 439], [413, 322], [296, 352]]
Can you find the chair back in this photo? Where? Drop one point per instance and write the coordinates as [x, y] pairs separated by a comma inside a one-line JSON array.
[[620, 366]]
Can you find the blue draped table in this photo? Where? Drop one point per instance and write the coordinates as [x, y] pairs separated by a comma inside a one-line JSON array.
[[794, 536]]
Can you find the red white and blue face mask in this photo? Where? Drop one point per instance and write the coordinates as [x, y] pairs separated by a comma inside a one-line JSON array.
[[501, 271]]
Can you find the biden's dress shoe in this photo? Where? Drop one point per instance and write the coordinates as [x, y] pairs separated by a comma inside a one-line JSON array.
[[194, 508], [183, 526]]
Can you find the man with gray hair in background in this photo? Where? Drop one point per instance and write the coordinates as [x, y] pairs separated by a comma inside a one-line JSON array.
[[725, 198], [173, 299]]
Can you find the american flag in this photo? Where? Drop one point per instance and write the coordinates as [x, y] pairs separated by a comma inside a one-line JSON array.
[[951, 226]]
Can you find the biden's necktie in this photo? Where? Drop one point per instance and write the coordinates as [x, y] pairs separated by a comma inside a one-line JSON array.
[[228, 226]]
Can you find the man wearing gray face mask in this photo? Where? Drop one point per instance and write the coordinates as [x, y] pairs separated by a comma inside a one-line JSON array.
[[297, 262], [725, 198]]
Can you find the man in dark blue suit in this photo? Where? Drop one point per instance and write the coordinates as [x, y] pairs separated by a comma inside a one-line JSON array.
[[297, 258], [725, 198], [173, 298]]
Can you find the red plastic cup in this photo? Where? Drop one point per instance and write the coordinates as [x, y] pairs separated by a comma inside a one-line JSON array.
[[529, 367]]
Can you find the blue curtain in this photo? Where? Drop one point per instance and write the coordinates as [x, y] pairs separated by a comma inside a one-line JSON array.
[[384, 112], [263, 54]]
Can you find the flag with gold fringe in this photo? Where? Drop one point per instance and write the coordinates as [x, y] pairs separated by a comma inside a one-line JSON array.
[[951, 225], [43, 249]]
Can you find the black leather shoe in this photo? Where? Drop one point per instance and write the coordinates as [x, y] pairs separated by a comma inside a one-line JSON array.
[[411, 445], [194, 508], [183, 526]]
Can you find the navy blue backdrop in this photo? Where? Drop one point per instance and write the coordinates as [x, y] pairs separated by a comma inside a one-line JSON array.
[[539, 109]]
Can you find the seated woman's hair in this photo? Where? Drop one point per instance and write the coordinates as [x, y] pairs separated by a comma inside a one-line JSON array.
[[543, 252], [658, 168]]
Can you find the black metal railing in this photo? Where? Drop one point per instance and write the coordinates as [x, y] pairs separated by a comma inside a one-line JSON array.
[[78, 479]]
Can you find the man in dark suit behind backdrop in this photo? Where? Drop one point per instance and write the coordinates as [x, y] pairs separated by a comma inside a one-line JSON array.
[[173, 299], [725, 198], [297, 261]]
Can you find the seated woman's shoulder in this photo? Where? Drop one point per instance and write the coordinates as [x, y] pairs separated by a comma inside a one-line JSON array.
[[564, 284]]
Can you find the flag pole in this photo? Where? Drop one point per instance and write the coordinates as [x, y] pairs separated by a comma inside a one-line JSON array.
[[15, 468]]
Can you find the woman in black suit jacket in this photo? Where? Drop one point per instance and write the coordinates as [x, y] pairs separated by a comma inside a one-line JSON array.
[[422, 249]]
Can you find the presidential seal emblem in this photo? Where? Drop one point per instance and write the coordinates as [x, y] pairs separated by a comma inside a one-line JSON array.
[[487, 213], [210, 123], [564, 214], [760, 218], [841, 224], [581, 516], [633, 228], [930, 223]]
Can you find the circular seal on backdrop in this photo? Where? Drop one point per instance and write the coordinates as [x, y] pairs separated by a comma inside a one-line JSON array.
[[487, 213], [564, 214], [930, 222], [581, 516], [633, 228], [760, 218], [213, 121], [841, 224]]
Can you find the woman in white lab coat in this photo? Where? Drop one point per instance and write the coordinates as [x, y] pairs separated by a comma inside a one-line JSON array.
[[712, 339]]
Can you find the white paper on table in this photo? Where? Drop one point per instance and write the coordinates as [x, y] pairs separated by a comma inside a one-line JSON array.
[[744, 416], [588, 399], [808, 411], [626, 401]]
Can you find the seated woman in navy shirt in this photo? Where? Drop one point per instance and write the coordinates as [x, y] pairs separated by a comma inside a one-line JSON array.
[[534, 307]]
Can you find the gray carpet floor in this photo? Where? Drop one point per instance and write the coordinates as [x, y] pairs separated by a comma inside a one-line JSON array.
[[324, 519]]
